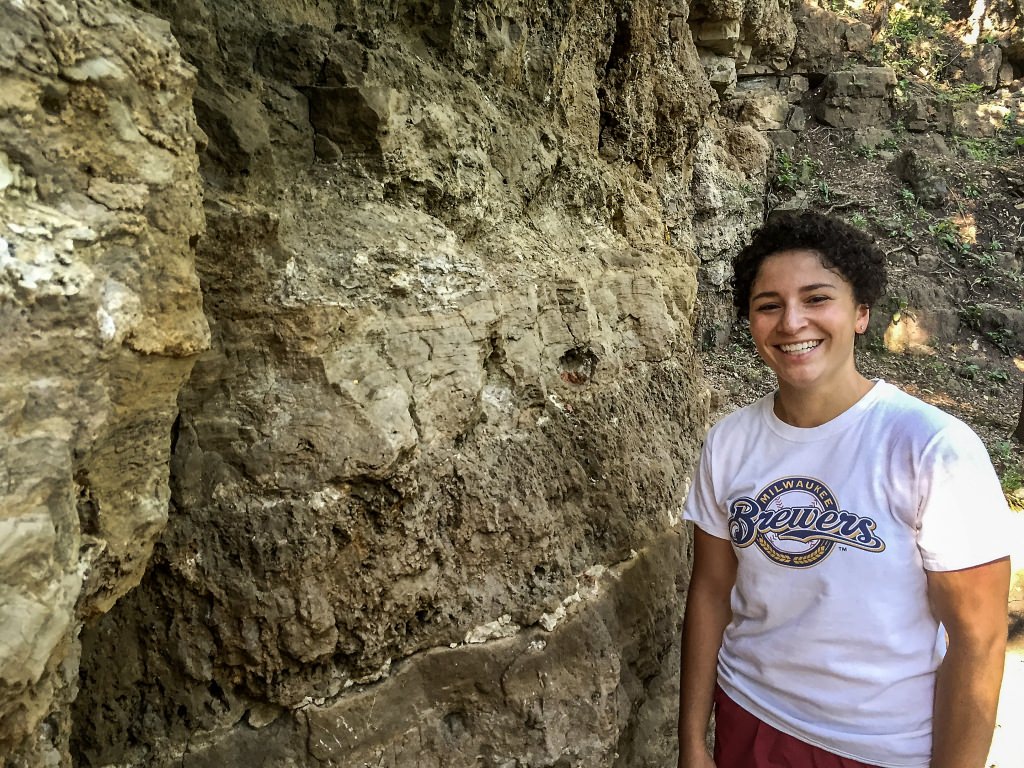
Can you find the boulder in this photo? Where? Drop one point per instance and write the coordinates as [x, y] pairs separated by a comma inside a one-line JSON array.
[[924, 178], [983, 65], [857, 98]]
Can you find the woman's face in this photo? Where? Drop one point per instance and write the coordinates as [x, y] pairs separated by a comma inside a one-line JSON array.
[[804, 318]]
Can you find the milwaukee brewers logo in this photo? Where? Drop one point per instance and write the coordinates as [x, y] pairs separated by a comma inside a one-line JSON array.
[[797, 522]]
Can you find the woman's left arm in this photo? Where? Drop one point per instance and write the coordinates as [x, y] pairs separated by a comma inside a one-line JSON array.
[[971, 604]]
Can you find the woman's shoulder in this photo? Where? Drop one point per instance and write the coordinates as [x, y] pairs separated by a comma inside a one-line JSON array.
[[907, 415]]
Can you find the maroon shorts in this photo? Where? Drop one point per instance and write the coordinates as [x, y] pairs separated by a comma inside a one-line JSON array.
[[743, 741]]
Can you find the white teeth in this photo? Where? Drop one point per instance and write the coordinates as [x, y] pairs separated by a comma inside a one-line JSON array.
[[803, 346]]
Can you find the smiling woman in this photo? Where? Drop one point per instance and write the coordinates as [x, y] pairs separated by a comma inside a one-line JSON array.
[[839, 516], [803, 319]]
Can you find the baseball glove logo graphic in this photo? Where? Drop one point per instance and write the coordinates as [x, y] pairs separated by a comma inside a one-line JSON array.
[[797, 522]]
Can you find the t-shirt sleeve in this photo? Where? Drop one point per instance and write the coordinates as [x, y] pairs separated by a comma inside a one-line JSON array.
[[963, 518], [701, 505]]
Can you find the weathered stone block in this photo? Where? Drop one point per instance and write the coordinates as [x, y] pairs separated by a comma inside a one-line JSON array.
[[927, 112], [355, 118], [930, 188], [797, 120], [721, 36], [797, 86], [721, 71], [983, 65], [861, 83], [857, 98], [858, 37], [765, 111], [1006, 73]]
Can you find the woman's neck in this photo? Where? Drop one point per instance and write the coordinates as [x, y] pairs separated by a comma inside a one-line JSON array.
[[812, 408]]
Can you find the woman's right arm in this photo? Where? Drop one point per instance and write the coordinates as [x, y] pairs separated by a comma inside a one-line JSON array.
[[708, 612]]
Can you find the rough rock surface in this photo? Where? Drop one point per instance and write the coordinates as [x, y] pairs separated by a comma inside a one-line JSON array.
[[101, 317], [450, 271], [367, 340]]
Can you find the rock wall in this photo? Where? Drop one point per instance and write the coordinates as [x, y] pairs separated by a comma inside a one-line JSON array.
[[423, 484], [101, 315]]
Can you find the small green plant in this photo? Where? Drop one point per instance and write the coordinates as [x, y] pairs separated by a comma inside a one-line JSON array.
[[947, 233], [960, 93], [979, 150], [791, 173], [1000, 338], [1011, 473], [968, 371], [785, 173], [901, 305], [985, 259], [971, 315], [1000, 377], [898, 225], [1011, 479], [859, 221], [971, 191]]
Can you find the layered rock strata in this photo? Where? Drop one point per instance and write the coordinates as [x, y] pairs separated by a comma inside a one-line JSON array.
[[434, 458], [101, 315]]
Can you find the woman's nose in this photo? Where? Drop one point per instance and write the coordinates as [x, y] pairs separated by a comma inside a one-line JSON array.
[[792, 319]]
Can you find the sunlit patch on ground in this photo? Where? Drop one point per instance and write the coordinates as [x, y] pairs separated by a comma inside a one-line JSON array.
[[1008, 742]]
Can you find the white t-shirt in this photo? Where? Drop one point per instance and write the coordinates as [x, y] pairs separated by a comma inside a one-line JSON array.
[[831, 639]]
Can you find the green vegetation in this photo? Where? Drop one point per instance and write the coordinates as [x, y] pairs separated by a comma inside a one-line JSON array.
[[791, 173], [1011, 474], [979, 150], [948, 233], [968, 371], [909, 38], [970, 315], [1000, 338]]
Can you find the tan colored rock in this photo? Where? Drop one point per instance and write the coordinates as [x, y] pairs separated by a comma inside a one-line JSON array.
[[102, 318], [721, 71], [765, 110], [729, 172], [1006, 74], [818, 34], [858, 37], [451, 383], [721, 36], [924, 113], [450, 266]]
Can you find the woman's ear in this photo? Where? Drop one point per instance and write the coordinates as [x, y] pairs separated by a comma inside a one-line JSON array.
[[863, 317]]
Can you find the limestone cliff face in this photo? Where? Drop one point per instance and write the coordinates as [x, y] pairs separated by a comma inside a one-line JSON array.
[[101, 317], [424, 482]]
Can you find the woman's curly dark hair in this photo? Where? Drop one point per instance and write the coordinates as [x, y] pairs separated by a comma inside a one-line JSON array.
[[842, 247]]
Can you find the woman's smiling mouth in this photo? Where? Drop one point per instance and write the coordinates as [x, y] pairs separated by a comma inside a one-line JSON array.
[[799, 347]]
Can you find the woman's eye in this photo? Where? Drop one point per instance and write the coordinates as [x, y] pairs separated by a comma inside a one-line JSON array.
[[819, 299], [766, 307]]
